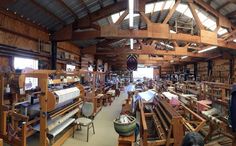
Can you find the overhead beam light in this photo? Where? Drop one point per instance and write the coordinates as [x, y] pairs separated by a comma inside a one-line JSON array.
[[234, 40], [131, 44], [207, 49], [184, 57], [131, 20], [131, 13]]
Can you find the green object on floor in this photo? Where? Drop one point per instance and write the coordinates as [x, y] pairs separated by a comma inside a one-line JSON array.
[[125, 129]]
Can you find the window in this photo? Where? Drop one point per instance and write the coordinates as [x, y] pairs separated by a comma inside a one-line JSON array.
[[70, 67], [26, 63], [143, 72]]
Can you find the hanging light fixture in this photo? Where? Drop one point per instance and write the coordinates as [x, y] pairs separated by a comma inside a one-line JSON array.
[[131, 44], [207, 49], [184, 57], [131, 20], [131, 13]]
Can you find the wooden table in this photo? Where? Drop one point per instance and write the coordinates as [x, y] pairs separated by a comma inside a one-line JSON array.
[[126, 140]]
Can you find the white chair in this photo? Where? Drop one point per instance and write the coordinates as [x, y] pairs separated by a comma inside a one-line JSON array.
[[87, 111]]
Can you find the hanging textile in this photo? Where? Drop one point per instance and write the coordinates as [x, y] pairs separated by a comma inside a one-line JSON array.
[[132, 62]]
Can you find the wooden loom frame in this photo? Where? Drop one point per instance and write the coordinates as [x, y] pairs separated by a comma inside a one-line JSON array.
[[42, 76]]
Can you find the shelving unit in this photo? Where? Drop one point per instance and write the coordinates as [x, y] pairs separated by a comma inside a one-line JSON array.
[[202, 71], [221, 70]]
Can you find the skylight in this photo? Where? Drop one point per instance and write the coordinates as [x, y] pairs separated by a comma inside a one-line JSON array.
[[116, 16], [222, 31], [201, 16], [208, 22], [157, 6], [181, 8], [149, 8], [169, 4], [188, 13]]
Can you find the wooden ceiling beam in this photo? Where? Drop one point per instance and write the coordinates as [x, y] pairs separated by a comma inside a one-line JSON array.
[[171, 12], [159, 14], [86, 21], [61, 2], [49, 13], [214, 12], [195, 15], [150, 50], [85, 6], [139, 34]]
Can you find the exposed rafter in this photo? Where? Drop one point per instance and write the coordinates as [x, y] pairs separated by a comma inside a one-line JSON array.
[[171, 12], [159, 14], [49, 13], [222, 19], [69, 9], [85, 6], [195, 16]]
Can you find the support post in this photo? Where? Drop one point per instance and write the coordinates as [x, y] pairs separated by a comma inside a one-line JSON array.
[[195, 71], [231, 68], [53, 54]]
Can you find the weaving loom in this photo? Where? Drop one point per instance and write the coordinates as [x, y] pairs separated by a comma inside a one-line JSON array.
[[51, 110], [160, 124]]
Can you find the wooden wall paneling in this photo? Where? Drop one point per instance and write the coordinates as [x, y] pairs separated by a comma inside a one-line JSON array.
[[85, 59], [16, 26], [13, 40], [69, 47]]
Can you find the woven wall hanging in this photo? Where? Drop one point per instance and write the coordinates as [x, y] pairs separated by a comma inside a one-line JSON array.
[[132, 62]]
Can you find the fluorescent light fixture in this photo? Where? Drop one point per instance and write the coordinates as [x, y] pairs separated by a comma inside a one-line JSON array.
[[207, 49], [131, 13], [131, 44], [167, 45], [184, 57], [172, 31], [234, 40]]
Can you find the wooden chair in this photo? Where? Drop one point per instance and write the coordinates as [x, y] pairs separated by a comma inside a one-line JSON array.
[[87, 111]]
